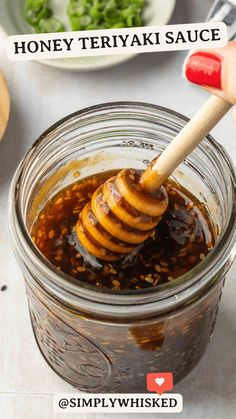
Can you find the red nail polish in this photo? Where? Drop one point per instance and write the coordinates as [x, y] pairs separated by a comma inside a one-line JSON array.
[[204, 68]]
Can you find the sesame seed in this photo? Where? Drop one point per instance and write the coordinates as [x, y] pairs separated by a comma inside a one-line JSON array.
[[190, 206], [149, 279], [116, 283], [164, 264], [59, 201], [51, 234], [81, 269]]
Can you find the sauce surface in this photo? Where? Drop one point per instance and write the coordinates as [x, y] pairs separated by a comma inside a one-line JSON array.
[[181, 240]]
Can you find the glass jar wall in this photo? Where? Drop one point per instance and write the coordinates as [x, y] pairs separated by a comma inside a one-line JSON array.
[[107, 341]]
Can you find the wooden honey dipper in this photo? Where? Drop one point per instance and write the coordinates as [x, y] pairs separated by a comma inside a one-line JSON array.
[[124, 211]]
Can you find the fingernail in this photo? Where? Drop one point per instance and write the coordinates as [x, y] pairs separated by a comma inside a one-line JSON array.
[[204, 68]]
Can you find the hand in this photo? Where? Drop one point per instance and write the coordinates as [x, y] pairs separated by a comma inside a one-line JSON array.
[[215, 70]]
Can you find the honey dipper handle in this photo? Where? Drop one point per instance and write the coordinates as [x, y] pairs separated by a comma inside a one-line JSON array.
[[185, 142]]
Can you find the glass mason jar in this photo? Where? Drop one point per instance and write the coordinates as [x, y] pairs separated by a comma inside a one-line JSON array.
[[101, 340]]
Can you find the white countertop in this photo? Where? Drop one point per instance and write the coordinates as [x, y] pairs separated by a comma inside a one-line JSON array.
[[40, 96]]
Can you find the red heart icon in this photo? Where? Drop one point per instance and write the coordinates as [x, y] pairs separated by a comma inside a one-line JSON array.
[[160, 382]]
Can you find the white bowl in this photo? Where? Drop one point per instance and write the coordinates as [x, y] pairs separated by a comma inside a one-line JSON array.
[[12, 22]]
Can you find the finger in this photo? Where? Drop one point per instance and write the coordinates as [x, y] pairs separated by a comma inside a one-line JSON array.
[[215, 70], [234, 115]]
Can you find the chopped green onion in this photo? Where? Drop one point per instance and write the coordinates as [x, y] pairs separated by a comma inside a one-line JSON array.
[[86, 14], [50, 25], [39, 15], [105, 13], [33, 16]]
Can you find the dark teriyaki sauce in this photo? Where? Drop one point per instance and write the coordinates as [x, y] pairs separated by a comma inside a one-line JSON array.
[[182, 239]]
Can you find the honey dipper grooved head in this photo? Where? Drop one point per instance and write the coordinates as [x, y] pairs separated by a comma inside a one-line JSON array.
[[120, 216]]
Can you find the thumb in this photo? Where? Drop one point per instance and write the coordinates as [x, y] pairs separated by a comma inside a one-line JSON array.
[[215, 70]]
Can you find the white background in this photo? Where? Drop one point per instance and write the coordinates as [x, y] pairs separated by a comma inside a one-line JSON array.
[[40, 96]]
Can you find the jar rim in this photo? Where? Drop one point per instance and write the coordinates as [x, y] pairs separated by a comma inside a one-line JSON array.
[[200, 274]]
